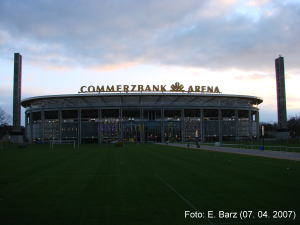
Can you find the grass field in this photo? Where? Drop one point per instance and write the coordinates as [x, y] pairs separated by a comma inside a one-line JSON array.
[[143, 185]]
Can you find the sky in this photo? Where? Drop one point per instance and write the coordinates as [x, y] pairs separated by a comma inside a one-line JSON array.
[[231, 44]]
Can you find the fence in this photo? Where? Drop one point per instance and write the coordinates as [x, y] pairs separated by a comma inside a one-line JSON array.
[[257, 147]]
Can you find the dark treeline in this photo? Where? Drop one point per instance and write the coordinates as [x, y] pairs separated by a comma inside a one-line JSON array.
[[293, 126]]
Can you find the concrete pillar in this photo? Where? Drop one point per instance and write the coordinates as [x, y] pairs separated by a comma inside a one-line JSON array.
[[121, 119], [26, 135], [79, 126], [141, 125], [43, 126], [31, 126], [257, 124], [236, 124], [202, 124], [27, 125], [250, 124], [99, 126], [59, 124], [182, 126], [220, 124], [162, 125]]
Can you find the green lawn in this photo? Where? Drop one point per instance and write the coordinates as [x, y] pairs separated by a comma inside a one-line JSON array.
[[142, 185]]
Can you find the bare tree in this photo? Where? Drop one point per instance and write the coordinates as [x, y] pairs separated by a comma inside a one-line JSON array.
[[5, 119]]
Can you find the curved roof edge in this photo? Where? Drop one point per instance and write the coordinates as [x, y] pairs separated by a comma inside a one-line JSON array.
[[27, 101]]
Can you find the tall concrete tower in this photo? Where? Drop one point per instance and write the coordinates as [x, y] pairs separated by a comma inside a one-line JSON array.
[[17, 93], [282, 131], [281, 99], [16, 134]]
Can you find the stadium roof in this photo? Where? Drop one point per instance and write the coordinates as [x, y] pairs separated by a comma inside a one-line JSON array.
[[140, 99]]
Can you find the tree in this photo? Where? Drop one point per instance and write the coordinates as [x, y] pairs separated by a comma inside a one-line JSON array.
[[5, 119], [270, 128], [294, 126]]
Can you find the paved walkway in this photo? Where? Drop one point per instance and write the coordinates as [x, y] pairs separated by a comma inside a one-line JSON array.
[[265, 153]]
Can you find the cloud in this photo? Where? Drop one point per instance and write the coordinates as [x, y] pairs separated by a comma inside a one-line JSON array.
[[215, 35], [254, 77], [257, 2], [7, 77], [6, 97], [292, 102], [113, 67]]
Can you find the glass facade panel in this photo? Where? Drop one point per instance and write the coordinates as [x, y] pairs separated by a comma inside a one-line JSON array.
[[228, 125], [69, 131], [173, 131], [131, 114], [109, 113], [51, 125], [28, 132], [36, 127], [172, 114], [152, 131], [152, 115], [243, 128], [228, 130], [51, 130], [89, 129], [192, 130], [211, 130], [131, 131], [36, 131], [110, 131]]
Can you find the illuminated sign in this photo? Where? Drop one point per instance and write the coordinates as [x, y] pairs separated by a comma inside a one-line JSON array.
[[177, 87]]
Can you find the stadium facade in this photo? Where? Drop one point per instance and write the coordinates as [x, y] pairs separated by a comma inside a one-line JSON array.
[[100, 114]]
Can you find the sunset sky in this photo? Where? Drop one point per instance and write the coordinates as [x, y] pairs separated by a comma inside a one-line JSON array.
[[230, 44]]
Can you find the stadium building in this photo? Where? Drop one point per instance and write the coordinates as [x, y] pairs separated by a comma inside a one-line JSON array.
[[140, 113]]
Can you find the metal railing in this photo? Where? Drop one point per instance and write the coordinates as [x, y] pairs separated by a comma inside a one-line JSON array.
[[258, 147]]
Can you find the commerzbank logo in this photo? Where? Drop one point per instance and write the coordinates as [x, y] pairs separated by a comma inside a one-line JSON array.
[[177, 87]]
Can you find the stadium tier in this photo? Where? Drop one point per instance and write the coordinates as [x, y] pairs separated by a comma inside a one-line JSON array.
[[141, 117]]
